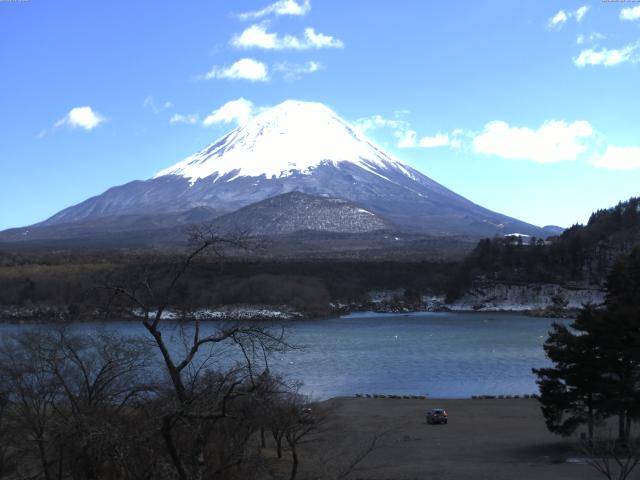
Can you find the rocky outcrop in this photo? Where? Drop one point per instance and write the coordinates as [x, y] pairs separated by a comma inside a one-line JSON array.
[[537, 298]]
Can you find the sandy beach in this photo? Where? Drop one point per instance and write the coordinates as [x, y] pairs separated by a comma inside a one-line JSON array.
[[484, 439]]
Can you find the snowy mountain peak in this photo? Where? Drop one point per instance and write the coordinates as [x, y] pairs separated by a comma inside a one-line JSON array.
[[293, 147], [292, 137]]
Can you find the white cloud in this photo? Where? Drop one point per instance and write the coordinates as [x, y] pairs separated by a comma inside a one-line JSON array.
[[580, 39], [559, 19], [618, 158], [189, 118], [246, 69], [607, 58], [378, 121], [369, 123], [456, 140], [630, 13], [282, 7], [554, 141], [581, 12], [320, 40], [293, 71], [438, 140], [406, 138], [409, 139], [257, 36], [237, 111], [81, 117], [151, 104]]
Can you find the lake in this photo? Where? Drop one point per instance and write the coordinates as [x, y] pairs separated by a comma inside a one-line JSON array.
[[443, 355]]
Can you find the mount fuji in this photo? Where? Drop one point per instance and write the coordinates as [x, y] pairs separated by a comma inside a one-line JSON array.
[[293, 147]]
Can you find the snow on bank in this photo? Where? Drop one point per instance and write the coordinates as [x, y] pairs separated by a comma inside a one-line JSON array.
[[509, 297], [232, 312], [494, 297]]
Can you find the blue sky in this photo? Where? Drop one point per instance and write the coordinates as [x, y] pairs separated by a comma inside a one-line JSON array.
[[528, 108]]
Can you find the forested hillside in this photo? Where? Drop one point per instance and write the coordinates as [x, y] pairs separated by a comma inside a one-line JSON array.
[[582, 254]]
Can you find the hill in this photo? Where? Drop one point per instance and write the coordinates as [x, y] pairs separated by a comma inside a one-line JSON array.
[[581, 255]]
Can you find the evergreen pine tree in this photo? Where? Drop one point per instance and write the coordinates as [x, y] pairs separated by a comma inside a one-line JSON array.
[[571, 391]]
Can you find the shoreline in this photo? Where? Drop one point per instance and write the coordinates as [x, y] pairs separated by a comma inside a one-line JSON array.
[[374, 396], [256, 313], [18, 315]]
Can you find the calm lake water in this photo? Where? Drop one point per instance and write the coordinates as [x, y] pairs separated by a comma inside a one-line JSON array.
[[444, 355]]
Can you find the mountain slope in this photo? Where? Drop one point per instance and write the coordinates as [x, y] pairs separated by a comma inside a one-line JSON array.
[[305, 147], [295, 211]]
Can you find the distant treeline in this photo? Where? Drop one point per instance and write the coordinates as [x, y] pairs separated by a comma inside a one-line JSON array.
[[79, 282], [582, 254]]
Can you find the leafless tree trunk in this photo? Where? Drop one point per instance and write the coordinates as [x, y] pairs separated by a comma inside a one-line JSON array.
[[67, 395], [197, 404], [333, 464], [614, 460]]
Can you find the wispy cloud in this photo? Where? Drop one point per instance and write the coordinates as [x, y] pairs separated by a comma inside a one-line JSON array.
[[630, 13], [257, 36], [237, 111], [282, 7], [405, 135], [150, 103], [245, 69], [378, 121], [595, 36], [294, 71], [189, 118], [580, 13], [606, 57], [618, 158], [559, 19], [409, 139], [554, 141]]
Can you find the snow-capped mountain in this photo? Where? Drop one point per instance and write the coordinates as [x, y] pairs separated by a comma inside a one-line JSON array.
[[304, 147], [293, 137]]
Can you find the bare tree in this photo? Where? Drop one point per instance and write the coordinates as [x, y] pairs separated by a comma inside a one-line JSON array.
[[303, 419], [66, 400], [198, 398], [186, 402], [5, 449], [98, 377], [332, 464], [613, 459], [33, 392]]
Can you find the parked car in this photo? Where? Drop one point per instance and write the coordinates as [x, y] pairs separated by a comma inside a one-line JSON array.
[[436, 416]]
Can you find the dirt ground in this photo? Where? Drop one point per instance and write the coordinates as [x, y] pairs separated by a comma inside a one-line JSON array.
[[484, 439]]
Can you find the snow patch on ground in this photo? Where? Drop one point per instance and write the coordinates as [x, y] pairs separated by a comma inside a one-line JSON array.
[[509, 297], [232, 312]]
